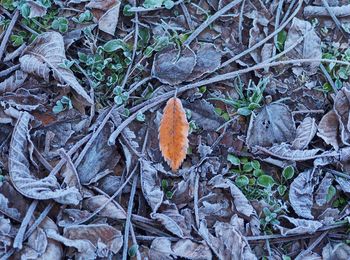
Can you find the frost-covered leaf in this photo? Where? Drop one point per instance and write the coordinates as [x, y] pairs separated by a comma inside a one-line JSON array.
[[202, 112], [328, 129], [99, 159], [284, 151], [91, 241], [45, 54], [13, 82], [240, 201], [341, 108], [309, 48], [150, 185], [172, 220], [208, 60], [322, 190], [336, 251], [163, 248], [305, 132], [227, 243], [22, 178], [343, 183], [12, 203], [302, 226], [301, 194], [109, 211], [273, 124], [172, 66], [36, 9], [106, 12]]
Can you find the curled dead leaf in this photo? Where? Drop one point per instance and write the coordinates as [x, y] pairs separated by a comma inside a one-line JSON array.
[[173, 132]]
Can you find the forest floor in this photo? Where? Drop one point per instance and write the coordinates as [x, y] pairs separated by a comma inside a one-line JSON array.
[[258, 101]]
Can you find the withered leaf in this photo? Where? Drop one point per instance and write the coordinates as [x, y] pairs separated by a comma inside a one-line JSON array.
[[304, 134], [173, 132], [328, 129], [301, 194], [341, 108], [163, 248], [21, 176], [45, 54], [172, 66], [310, 47], [13, 82], [240, 201], [150, 188], [227, 243], [107, 14], [273, 124], [302, 226]]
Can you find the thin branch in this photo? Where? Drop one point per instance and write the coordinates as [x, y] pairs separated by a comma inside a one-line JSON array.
[[210, 20], [8, 33]]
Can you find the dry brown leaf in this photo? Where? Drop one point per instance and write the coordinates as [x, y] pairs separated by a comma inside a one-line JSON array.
[[173, 132]]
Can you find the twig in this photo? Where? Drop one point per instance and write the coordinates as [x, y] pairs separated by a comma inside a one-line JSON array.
[[312, 246], [8, 33], [210, 20], [333, 16], [187, 16], [195, 198], [17, 243], [277, 22], [339, 11], [329, 78], [313, 111], [159, 99], [136, 37], [107, 202], [94, 136], [128, 217], [31, 229], [339, 174], [262, 42], [75, 147], [138, 84], [291, 6], [240, 23]]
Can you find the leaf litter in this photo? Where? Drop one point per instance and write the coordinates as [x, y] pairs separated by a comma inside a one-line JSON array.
[[161, 129]]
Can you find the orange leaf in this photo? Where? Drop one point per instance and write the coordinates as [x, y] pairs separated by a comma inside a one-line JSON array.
[[173, 132]]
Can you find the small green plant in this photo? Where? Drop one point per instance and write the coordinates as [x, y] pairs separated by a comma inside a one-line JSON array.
[[249, 99], [167, 189], [63, 104], [60, 24], [257, 185], [339, 73], [83, 17], [151, 4], [287, 174]]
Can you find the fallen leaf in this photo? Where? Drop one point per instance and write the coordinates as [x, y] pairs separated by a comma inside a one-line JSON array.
[[273, 124], [304, 134], [150, 186], [228, 243], [301, 194], [45, 54], [240, 201], [336, 251], [341, 108], [172, 66], [302, 226], [36, 9], [322, 190], [23, 180], [173, 132], [106, 13], [328, 129], [309, 48], [13, 82]]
